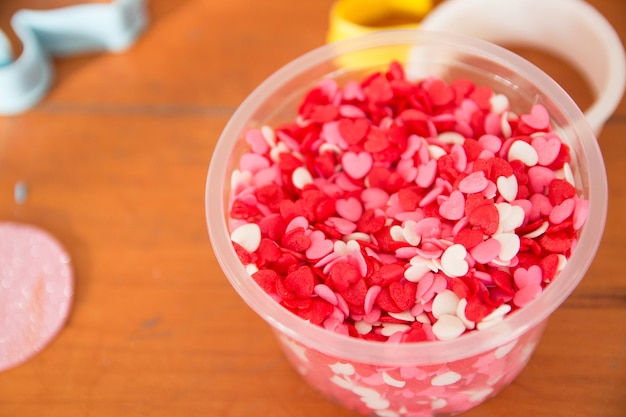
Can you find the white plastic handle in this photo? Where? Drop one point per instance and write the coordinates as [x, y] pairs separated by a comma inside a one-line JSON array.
[[570, 29]]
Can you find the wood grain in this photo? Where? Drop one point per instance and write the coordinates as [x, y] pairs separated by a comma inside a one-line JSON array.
[[115, 160]]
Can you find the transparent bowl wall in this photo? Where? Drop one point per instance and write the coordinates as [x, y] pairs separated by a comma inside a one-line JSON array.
[[430, 378]]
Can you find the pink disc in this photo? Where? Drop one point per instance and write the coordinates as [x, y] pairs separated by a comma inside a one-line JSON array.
[[36, 290]]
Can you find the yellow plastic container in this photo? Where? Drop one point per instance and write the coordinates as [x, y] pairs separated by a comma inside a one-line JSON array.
[[349, 18]]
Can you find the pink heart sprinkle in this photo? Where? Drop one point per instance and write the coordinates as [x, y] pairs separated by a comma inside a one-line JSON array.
[[454, 207], [459, 157], [257, 142], [407, 170], [486, 251], [357, 165], [353, 91], [374, 198], [580, 213], [330, 132], [562, 212], [253, 163], [426, 174], [538, 118], [349, 208], [547, 149], [527, 277], [526, 295], [490, 142], [474, 183], [539, 177], [320, 246]]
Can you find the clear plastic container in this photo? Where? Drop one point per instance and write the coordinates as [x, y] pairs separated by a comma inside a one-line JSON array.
[[414, 379]]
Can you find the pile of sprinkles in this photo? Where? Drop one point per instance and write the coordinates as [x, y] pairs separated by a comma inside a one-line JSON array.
[[405, 211]]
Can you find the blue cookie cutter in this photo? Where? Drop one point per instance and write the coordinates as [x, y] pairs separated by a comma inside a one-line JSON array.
[[61, 32]]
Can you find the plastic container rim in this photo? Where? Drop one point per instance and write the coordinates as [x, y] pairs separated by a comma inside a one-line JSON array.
[[467, 345]]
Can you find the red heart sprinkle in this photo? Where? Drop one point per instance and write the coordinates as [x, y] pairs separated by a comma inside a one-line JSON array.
[[549, 266], [486, 217], [386, 303], [376, 141], [355, 296], [468, 237], [296, 240], [324, 113], [267, 252], [266, 278], [477, 309], [559, 191], [352, 131], [558, 242], [403, 294], [300, 281], [342, 275], [440, 93]]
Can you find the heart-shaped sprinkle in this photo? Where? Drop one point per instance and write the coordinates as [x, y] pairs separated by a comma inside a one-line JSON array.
[[538, 118], [356, 165], [562, 212], [527, 294], [248, 236], [447, 327], [349, 208], [474, 183], [415, 273], [257, 142], [523, 151], [499, 103], [507, 187], [525, 277], [454, 207], [320, 246], [486, 217], [426, 174], [353, 91], [301, 177], [490, 142], [253, 163], [403, 294], [440, 92], [453, 261], [445, 302], [353, 131], [509, 245], [486, 251], [300, 281], [547, 148]]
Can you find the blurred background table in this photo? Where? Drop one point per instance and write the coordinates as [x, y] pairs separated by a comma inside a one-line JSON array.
[[115, 160]]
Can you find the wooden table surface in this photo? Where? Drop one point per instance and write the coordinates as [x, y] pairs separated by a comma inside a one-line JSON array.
[[115, 160]]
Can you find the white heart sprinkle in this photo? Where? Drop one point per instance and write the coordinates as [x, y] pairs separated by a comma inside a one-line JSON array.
[[509, 245], [301, 177], [524, 152], [444, 379], [453, 261], [397, 233], [499, 103], [340, 368], [448, 327], [445, 302], [416, 272], [410, 235], [247, 236], [391, 381], [460, 313], [508, 187]]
